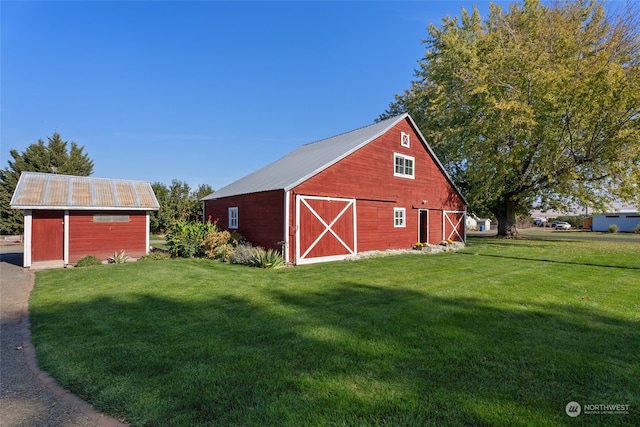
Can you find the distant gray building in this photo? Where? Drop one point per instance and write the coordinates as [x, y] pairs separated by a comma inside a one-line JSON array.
[[625, 221]]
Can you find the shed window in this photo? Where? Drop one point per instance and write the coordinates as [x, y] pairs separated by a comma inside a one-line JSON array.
[[233, 217], [399, 217], [404, 166], [405, 139], [110, 218]]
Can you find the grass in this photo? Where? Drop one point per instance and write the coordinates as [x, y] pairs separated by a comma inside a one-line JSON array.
[[502, 333], [579, 234]]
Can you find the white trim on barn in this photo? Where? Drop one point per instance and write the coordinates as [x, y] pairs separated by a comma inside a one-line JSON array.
[[285, 246], [148, 227], [28, 222], [445, 215], [351, 247], [65, 244]]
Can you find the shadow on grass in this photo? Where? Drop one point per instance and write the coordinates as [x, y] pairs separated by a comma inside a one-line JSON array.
[[554, 261], [350, 354]]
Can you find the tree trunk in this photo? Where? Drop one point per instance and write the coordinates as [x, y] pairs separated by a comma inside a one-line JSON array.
[[506, 215]]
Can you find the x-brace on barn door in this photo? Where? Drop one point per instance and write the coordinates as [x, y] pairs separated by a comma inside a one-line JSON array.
[[325, 228]]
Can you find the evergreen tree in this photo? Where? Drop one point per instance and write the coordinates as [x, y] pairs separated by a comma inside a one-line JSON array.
[[52, 157]]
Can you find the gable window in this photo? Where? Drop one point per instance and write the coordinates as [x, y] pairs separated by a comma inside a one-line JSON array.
[[233, 217], [399, 217], [404, 166], [405, 139]]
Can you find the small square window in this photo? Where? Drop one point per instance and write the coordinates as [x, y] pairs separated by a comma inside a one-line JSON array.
[[399, 217], [233, 218], [405, 139]]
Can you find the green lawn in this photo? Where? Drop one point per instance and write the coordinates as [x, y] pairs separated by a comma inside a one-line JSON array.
[[501, 333], [578, 234]]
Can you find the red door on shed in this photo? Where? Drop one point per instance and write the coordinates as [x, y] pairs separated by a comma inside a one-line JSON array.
[[47, 235]]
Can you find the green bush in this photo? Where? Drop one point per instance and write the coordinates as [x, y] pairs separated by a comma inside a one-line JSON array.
[[223, 252], [88, 261], [213, 241], [266, 259], [613, 228], [637, 229], [242, 254], [221, 244], [185, 238], [155, 256]]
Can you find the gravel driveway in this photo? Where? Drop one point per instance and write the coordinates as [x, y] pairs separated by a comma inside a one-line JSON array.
[[29, 396]]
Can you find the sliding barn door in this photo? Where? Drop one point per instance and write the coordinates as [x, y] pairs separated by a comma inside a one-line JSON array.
[[325, 229], [453, 226]]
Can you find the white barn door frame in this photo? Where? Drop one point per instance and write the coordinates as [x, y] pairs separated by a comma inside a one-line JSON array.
[[349, 245], [460, 221]]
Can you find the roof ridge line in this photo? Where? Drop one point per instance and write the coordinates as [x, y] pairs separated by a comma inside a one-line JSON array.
[[357, 129]]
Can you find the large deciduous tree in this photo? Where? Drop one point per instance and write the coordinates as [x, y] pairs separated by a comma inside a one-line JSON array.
[[538, 105], [53, 157], [176, 201]]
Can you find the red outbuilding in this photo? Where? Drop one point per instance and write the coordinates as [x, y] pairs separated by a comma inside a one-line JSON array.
[[67, 218], [379, 187]]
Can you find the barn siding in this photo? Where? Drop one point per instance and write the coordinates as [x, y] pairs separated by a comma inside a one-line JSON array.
[[260, 216], [367, 176], [103, 239]]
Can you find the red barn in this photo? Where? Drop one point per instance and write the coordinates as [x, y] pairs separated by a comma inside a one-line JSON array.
[[69, 217], [379, 187]]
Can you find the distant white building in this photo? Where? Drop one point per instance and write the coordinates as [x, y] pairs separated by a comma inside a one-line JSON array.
[[625, 221], [475, 223], [471, 223]]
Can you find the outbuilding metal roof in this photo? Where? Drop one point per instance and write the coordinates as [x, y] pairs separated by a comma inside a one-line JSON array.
[[306, 161], [52, 191]]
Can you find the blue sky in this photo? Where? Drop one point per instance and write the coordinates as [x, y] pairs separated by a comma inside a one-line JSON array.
[[204, 92]]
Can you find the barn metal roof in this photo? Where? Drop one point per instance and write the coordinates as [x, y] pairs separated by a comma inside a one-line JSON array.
[[306, 161], [52, 191]]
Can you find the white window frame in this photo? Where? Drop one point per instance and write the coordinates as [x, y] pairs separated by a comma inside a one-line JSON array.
[[233, 217], [405, 139], [404, 158], [399, 217]]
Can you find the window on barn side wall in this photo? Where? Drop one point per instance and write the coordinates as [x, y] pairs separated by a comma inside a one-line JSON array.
[[404, 166], [405, 139], [110, 218], [233, 217], [399, 217]]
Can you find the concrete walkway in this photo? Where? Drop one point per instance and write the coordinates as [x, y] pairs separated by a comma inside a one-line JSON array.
[[29, 396]]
